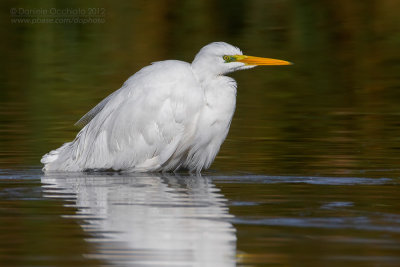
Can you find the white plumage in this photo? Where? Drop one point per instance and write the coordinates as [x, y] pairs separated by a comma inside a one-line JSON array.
[[167, 116]]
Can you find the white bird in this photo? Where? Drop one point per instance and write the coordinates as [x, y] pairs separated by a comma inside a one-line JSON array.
[[170, 115]]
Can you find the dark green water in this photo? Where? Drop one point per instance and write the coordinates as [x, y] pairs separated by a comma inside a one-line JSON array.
[[308, 176]]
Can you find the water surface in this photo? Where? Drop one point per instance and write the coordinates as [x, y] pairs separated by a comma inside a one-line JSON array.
[[209, 220]]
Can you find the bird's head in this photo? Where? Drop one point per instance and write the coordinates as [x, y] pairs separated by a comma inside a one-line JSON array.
[[220, 58]]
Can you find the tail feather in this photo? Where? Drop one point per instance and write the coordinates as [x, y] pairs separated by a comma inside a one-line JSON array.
[[51, 157]]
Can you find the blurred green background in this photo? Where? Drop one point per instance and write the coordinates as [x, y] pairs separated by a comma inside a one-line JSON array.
[[334, 112]]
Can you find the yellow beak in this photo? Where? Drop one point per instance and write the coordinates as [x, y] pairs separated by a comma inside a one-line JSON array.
[[260, 61]]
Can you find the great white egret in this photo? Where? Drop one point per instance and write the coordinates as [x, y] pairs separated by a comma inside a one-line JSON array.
[[167, 116]]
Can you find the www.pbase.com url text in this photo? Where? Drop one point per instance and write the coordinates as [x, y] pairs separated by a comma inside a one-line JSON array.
[[75, 20]]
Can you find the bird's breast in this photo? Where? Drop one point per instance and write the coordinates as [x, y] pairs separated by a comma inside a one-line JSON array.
[[220, 97], [216, 115]]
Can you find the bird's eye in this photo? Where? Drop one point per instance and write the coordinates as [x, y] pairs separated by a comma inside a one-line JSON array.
[[228, 58]]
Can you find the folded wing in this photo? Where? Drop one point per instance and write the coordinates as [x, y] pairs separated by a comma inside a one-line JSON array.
[[143, 126]]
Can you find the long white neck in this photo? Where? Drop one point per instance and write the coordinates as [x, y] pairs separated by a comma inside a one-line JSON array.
[[204, 71]]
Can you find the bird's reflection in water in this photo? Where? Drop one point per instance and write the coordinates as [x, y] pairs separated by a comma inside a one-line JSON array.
[[149, 219]]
